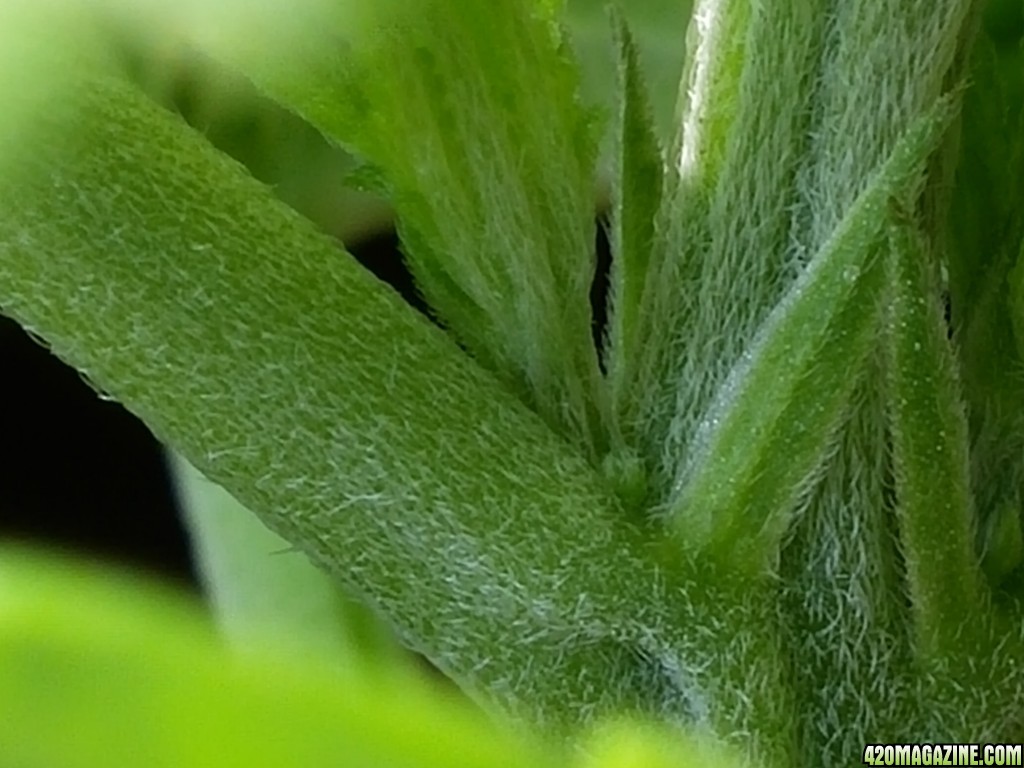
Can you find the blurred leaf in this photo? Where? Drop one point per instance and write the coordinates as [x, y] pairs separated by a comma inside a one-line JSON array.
[[986, 231], [276, 146], [1004, 550], [84, 651], [624, 744], [986, 217], [32, 77], [99, 670]]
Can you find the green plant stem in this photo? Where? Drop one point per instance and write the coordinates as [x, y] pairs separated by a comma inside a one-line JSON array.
[[489, 160], [262, 590], [286, 373]]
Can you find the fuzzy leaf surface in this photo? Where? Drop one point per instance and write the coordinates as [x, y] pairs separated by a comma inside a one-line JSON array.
[[638, 179], [935, 505], [722, 259], [471, 112], [289, 375], [768, 430]]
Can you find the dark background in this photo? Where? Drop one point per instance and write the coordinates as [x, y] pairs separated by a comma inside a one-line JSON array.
[[77, 472]]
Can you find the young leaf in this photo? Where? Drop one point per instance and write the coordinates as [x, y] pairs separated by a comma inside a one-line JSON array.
[[715, 61], [766, 174], [727, 244], [840, 566], [771, 423], [935, 507], [637, 181], [471, 111], [658, 27], [883, 61]]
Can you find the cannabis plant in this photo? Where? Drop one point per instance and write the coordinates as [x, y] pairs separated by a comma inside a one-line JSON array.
[[774, 515]]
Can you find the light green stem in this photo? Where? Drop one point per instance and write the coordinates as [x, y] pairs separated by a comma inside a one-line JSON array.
[[263, 590], [286, 373]]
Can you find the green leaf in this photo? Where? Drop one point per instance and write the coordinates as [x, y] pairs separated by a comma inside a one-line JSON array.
[[637, 182], [286, 373], [471, 111], [781, 131], [723, 258], [986, 228], [262, 590], [1004, 545], [98, 669], [629, 744], [769, 429], [658, 26], [707, 106], [935, 506], [883, 62], [123, 647]]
